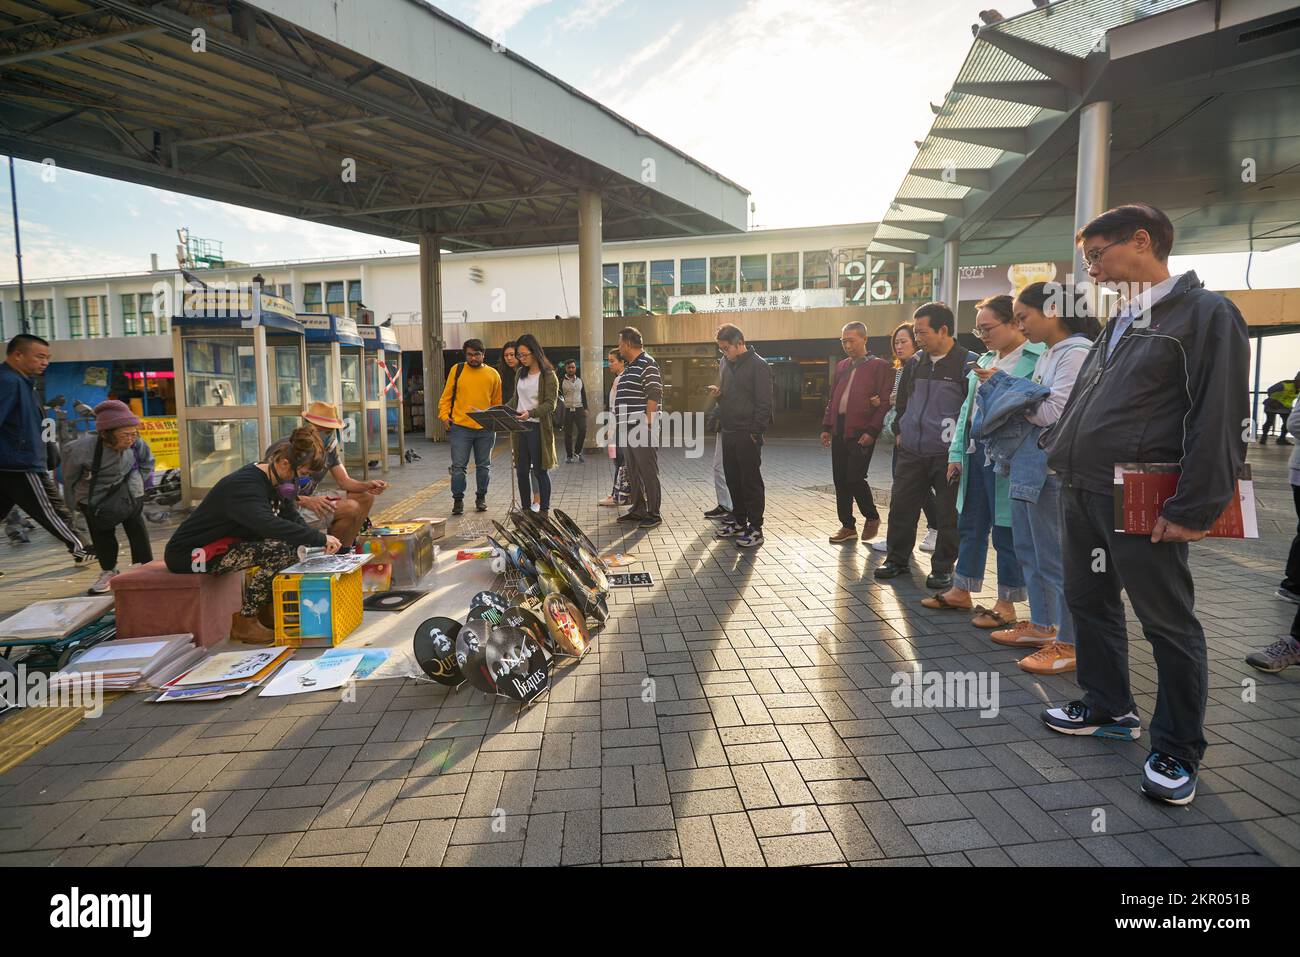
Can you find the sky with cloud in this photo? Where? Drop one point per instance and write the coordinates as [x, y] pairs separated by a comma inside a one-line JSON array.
[[812, 105]]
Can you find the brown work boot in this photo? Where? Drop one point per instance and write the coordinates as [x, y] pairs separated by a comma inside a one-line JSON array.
[[249, 630], [844, 535]]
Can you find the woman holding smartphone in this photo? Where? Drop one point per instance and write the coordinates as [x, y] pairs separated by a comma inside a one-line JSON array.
[[536, 392]]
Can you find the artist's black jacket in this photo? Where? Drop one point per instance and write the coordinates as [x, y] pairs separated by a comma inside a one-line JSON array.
[[1173, 389], [745, 404]]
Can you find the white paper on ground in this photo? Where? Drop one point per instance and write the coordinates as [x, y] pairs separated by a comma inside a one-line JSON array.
[[371, 659], [322, 674]]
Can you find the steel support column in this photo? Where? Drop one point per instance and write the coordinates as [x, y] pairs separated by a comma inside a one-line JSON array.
[[1092, 180], [591, 313]]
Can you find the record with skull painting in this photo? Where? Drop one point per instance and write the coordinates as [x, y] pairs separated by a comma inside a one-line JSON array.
[[434, 647], [567, 627]]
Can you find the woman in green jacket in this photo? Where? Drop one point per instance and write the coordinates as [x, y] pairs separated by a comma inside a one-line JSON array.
[[984, 498], [536, 389]]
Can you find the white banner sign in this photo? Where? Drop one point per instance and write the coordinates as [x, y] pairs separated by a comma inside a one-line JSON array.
[[796, 300]]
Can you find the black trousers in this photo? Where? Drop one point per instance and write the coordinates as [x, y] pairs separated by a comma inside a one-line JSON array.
[[849, 465], [1292, 580], [742, 463], [106, 545], [575, 423], [37, 494], [916, 479], [1099, 562]]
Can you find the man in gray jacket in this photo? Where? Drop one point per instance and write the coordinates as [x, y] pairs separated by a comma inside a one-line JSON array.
[[1165, 382]]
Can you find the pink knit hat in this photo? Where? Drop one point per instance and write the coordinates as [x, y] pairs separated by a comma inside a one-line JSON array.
[[111, 414]]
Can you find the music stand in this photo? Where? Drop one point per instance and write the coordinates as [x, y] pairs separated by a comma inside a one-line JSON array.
[[501, 420]]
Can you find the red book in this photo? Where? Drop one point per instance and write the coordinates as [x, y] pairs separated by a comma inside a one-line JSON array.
[[1143, 488]]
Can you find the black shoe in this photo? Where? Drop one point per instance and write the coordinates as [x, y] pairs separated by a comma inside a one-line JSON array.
[[631, 517], [651, 521], [1263, 440], [480, 503], [890, 570], [458, 505], [720, 513], [1282, 441], [936, 581]]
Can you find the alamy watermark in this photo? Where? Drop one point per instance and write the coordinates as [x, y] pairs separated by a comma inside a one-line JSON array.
[[946, 689], [34, 689], [667, 430]]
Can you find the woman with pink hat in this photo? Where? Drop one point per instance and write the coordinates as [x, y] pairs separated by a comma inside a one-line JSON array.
[[103, 475]]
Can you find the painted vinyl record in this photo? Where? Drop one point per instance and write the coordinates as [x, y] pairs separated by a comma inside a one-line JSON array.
[[584, 597], [488, 606], [516, 663], [527, 620], [435, 650], [562, 519], [471, 655], [566, 624]]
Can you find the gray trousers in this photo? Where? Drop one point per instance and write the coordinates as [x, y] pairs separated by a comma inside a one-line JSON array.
[[720, 476], [643, 479]]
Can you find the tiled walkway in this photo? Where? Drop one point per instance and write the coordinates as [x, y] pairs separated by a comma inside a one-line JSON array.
[[737, 713]]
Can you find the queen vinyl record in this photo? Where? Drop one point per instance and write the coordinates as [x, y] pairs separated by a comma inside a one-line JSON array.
[[434, 647]]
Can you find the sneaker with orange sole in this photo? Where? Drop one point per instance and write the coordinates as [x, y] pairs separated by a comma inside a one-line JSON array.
[[1024, 634], [1054, 658]]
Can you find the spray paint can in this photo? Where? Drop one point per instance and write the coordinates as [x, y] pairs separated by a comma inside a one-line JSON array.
[[306, 551]]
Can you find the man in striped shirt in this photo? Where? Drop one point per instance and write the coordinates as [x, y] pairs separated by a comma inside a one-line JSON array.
[[640, 390]]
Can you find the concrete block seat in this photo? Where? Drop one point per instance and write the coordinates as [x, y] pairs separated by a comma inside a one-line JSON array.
[[151, 600]]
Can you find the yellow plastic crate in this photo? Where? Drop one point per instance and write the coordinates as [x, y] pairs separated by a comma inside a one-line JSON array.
[[316, 611]]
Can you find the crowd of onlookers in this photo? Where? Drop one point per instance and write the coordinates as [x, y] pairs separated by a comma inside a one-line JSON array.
[[1016, 447]]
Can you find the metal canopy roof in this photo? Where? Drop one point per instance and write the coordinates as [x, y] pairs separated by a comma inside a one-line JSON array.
[[449, 132], [1193, 98]]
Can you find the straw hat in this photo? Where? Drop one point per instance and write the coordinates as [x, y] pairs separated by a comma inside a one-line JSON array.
[[324, 414]]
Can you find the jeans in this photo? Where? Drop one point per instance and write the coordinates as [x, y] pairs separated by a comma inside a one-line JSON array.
[[976, 521], [720, 475], [529, 462], [1099, 562], [1036, 527], [1292, 580], [462, 441], [920, 478]]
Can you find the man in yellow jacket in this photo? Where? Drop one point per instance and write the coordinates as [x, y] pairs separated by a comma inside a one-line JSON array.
[[471, 385]]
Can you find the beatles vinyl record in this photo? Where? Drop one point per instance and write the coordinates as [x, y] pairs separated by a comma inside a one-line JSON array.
[[527, 620], [471, 655], [516, 663]]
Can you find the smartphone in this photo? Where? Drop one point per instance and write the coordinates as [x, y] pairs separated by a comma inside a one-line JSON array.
[[974, 363]]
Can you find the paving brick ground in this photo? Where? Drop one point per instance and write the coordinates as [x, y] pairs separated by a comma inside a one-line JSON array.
[[738, 713]]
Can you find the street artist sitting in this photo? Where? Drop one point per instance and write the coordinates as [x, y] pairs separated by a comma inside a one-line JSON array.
[[250, 518]]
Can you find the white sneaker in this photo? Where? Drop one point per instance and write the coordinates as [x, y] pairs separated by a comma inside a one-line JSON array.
[[536, 507], [880, 545], [931, 537], [101, 584]]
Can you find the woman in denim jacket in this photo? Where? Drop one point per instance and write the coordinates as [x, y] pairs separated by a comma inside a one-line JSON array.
[[1047, 313], [984, 499]]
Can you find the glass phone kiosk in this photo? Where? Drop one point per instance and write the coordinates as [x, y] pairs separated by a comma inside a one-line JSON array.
[[239, 360], [382, 389], [334, 354]]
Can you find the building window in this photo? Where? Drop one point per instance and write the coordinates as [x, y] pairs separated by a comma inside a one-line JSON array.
[[785, 271], [695, 281], [128, 314], [661, 284], [286, 292], [817, 269], [41, 314], [311, 300], [851, 266], [146, 314], [918, 285], [722, 274], [74, 318], [753, 273], [96, 320], [334, 298], [634, 291], [354, 297], [884, 281], [609, 288]]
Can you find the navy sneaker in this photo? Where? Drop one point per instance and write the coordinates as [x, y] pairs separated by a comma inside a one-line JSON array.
[[1077, 718], [729, 530], [750, 538], [1169, 779]]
